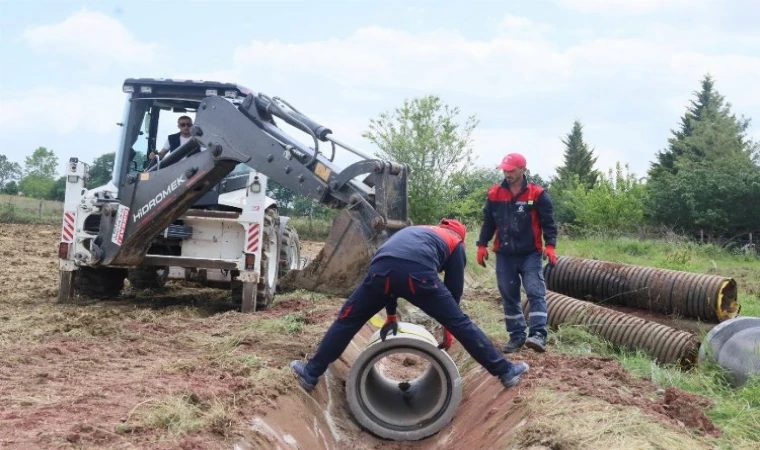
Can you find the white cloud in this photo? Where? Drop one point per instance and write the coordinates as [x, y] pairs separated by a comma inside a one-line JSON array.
[[342, 82], [92, 37], [627, 89], [516, 26], [377, 58], [87, 109], [626, 7], [430, 61]]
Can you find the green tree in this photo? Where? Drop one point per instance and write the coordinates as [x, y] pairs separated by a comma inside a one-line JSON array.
[[36, 186], [101, 170], [9, 171], [708, 129], [470, 191], [708, 175], [536, 179], [58, 190], [576, 171], [713, 196], [10, 188], [614, 204], [578, 163], [42, 164], [425, 134], [283, 196]]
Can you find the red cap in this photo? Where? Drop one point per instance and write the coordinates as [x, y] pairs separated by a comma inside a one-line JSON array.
[[512, 161], [455, 226]]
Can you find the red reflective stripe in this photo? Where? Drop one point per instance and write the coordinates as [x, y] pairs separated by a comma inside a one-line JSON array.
[[496, 193], [388, 285], [449, 237], [536, 230], [534, 191], [411, 285], [346, 312]]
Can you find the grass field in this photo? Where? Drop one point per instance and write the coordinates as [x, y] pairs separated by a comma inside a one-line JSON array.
[[17, 209]]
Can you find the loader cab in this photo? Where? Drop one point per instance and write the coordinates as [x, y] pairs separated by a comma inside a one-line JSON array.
[[150, 115]]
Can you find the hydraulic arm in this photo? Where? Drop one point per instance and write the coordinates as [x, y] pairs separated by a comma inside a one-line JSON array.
[[372, 193]]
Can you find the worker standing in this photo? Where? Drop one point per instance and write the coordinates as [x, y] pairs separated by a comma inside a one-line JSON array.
[[407, 266], [516, 214]]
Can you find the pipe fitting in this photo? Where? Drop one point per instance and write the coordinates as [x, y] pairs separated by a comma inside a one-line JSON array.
[[390, 406]]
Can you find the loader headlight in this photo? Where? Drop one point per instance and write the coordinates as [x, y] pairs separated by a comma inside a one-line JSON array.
[[72, 178], [256, 186]]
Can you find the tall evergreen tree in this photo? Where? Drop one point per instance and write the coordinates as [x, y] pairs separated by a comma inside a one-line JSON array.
[[579, 161], [708, 174], [708, 129]]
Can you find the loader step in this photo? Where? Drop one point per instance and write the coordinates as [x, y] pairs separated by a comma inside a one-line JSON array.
[[185, 261], [206, 213]]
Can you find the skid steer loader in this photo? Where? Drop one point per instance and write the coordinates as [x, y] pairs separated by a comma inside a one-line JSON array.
[[201, 212]]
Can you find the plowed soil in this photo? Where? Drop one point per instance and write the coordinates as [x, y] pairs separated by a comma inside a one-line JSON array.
[[180, 368]]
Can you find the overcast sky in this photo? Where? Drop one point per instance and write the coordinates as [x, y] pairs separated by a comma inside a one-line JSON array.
[[625, 68]]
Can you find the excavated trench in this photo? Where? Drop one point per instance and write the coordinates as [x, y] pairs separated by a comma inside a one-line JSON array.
[[487, 416]]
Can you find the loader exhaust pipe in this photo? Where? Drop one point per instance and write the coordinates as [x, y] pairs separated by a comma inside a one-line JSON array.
[[392, 401]]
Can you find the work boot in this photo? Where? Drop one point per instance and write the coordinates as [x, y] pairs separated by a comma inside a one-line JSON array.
[[307, 381], [512, 377], [536, 342], [513, 346]]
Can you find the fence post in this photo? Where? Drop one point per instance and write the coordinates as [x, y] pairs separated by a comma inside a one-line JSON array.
[[39, 212]]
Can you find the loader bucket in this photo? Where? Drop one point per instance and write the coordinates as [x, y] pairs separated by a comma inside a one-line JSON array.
[[343, 261]]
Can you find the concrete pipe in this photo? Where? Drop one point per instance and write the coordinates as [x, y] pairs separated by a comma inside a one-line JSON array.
[[711, 298], [404, 388], [735, 346]]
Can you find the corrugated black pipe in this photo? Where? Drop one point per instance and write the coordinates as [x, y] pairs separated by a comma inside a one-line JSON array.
[[711, 298], [667, 345]]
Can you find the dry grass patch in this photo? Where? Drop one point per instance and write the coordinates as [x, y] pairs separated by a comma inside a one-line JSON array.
[[560, 420]]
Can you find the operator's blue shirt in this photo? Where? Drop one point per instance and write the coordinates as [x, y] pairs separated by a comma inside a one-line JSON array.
[[434, 247]]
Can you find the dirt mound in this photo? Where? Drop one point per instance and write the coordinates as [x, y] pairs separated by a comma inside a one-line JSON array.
[[607, 380]]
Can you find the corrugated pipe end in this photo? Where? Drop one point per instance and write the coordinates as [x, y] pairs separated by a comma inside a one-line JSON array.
[[727, 305]]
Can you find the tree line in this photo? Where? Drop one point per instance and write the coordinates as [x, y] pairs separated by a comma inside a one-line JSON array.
[[38, 178], [702, 183]]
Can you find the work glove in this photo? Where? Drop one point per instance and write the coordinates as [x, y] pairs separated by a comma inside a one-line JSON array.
[[448, 339], [391, 323], [551, 254], [482, 255]]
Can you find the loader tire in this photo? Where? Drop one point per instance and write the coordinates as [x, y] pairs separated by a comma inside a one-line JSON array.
[[99, 283], [270, 260], [290, 251], [148, 277]]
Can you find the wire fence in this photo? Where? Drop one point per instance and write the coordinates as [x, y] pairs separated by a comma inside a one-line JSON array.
[[20, 209]]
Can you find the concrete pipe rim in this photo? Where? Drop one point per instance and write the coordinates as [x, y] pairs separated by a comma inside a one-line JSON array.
[[431, 411], [365, 385]]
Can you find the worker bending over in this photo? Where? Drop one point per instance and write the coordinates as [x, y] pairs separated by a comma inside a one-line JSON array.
[[407, 266]]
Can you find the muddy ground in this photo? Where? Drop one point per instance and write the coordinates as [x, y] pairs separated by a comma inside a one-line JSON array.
[[180, 368]]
